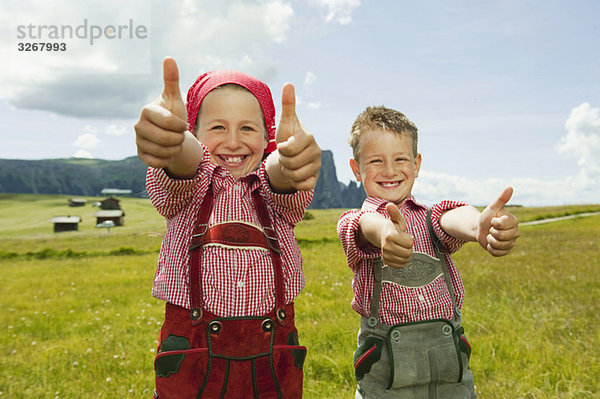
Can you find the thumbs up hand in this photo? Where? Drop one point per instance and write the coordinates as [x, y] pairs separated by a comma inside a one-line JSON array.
[[170, 98], [396, 243], [162, 123], [498, 229], [299, 154]]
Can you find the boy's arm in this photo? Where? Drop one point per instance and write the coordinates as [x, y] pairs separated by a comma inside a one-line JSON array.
[[297, 162], [348, 231], [495, 229], [162, 136], [388, 234]]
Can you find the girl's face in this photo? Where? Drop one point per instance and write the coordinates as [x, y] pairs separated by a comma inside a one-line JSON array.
[[231, 125], [387, 166]]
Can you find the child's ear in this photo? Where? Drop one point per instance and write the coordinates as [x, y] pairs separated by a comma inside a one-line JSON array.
[[418, 160], [355, 168]]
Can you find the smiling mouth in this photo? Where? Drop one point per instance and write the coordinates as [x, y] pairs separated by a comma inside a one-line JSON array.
[[233, 160], [389, 184]]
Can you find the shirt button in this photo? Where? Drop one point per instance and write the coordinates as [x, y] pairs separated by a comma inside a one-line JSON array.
[[421, 297], [241, 284]]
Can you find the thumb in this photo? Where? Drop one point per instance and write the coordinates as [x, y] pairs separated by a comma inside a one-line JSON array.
[[490, 212], [288, 121], [396, 217], [502, 200], [171, 95]]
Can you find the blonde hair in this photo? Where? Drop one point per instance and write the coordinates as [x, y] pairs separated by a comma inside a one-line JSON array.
[[381, 118]]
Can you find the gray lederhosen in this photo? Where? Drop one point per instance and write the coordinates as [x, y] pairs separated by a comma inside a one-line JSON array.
[[427, 359]]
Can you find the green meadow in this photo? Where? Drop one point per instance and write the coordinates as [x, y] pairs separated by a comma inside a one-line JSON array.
[[78, 320]]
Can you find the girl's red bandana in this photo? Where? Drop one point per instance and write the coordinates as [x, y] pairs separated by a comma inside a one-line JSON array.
[[211, 80]]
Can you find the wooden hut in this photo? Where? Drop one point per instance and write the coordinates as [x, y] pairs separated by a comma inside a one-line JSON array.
[[115, 191], [73, 202], [115, 215], [65, 223], [110, 203]]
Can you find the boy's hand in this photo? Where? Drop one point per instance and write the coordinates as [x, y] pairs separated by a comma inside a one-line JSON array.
[[159, 131], [299, 154], [498, 229], [396, 243]]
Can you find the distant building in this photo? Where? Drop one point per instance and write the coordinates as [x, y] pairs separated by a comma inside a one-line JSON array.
[[65, 223], [117, 216], [115, 191], [77, 202], [110, 203]]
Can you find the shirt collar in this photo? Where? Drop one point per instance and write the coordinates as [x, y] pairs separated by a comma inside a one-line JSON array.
[[221, 177], [378, 204]]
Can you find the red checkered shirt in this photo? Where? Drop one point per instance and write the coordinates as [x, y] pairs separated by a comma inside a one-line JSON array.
[[400, 304], [235, 282]]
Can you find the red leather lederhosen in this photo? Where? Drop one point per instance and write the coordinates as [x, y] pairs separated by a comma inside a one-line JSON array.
[[201, 355]]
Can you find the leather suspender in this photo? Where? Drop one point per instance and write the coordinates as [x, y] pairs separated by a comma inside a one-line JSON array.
[[438, 248], [195, 275]]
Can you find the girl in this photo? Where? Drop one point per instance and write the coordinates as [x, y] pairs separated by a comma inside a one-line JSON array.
[[231, 188]]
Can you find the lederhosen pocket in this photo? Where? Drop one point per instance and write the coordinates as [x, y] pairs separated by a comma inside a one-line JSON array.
[[201, 355], [366, 355], [425, 352]]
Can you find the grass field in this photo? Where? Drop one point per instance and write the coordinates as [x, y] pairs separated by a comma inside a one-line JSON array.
[[78, 320]]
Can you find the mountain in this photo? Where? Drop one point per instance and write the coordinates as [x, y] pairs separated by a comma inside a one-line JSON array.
[[87, 177], [331, 193], [71, 176]]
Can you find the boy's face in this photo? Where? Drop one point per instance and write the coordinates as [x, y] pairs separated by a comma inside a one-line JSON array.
[[387, 166], [231, 125]]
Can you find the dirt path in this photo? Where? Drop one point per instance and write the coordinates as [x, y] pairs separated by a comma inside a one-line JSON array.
[[550, 220]]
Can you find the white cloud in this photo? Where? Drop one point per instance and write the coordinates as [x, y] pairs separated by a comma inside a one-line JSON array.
[[277, 18], [228, 34], [87, 141], [431, 187], [309, 79], [83, 154], [239, 24], [114, 130], [339, 11], [314, 105], [583, 141], [91, 129]]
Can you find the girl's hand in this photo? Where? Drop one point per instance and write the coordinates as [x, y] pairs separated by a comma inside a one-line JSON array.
[[162, 123], [299, 154]]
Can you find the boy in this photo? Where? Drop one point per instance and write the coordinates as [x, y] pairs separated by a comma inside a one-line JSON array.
[[406, 286], [231, 189]]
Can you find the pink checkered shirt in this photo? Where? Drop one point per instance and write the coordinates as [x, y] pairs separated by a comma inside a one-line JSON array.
[[401, 304], [235, 282]]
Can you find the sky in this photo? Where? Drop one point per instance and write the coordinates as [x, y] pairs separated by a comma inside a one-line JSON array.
[[503, 92]]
